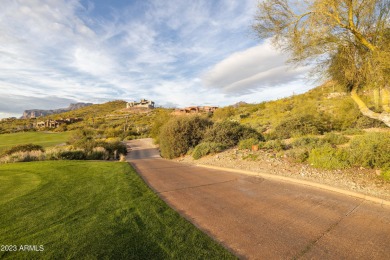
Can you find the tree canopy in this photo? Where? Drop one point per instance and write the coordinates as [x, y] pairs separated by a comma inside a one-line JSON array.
[[347, 40]]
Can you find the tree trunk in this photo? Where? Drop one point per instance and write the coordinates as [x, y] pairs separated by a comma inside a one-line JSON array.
[[386, 100], [384, 117]]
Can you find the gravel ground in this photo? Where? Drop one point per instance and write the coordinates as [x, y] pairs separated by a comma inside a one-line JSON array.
[[365, 181]]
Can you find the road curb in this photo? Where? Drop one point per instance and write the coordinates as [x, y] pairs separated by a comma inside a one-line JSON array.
[[302, 182]]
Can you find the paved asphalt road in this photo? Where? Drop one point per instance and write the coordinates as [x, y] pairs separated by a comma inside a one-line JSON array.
[[257, 218]]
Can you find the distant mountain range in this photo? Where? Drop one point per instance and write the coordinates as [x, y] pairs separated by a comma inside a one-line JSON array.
[[33, 113]]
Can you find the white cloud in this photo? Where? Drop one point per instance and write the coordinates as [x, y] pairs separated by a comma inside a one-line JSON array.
[[94, 62], [176, 52], [258, 67]]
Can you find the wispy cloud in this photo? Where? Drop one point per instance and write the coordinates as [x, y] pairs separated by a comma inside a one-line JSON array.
[[259, 67], [175, 52]]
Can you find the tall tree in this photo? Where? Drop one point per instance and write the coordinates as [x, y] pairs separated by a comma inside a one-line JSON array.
[[348, 40]]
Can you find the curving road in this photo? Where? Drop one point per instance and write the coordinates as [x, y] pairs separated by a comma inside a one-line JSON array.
[[257, 218]]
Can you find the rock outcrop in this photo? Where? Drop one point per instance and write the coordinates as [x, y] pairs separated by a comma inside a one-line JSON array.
[[33, 113]]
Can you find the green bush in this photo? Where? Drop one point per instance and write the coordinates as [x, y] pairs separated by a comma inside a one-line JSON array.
[[224, 113], [386, 172], [274, 145], [370, 150], [270, 136], [335, 139], [72, 155], [307, 141], [23, 156], [298, 154], [299, 125], [302, 146], [242, 116], [162, 116], [230, 133], [353, 131], [97, 156], [206, 148], [113, 132], [52, 153], [327, 157], [114, 148], [181, 133], [365, 122], [83, 139], [102, 151], [247, 143], [98, 153], [23, 148]]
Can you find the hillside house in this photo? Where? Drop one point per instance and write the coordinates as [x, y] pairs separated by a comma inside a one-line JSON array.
[[195, 110], [49, 123], [144, 103]]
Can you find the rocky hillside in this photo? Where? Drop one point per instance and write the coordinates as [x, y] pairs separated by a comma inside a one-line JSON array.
[[33, 113]]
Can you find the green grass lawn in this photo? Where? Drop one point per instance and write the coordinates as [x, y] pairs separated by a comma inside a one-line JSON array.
[[92, 210], [41, 138]]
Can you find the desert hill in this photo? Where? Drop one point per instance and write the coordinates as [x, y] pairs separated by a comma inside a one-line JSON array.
[[34, 113]]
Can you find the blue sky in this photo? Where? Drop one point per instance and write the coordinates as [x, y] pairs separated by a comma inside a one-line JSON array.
[[175, 52]]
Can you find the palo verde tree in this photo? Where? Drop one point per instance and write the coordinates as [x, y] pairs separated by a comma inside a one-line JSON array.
[[347, 40]]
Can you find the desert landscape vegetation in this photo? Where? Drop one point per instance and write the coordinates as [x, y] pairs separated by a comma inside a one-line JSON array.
[[321, 131], [65, 185]]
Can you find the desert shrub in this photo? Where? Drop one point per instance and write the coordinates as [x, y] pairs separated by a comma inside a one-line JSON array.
[[328, 157], [345, 113], [224, 113], [386, 172], [335, 139], [179, 134], [112, 132], [298, 126], [102, 151], [302, 147], [84, 139], [230, 133], [23, 148], [298, 154], [72, 155], [370, 150], [98, 153], [112, 139], [270, 136], [23, 156], [248, 132], [206, 148], [113, 148], [365, 122], [353, 131], [52, 153], [130, 137], [162, 116], [307, 141], [247, 143], [246, 115], [274, 145]]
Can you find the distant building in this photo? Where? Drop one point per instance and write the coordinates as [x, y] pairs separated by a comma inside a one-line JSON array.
[[56, 123], [144, 103], [195, 110]]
